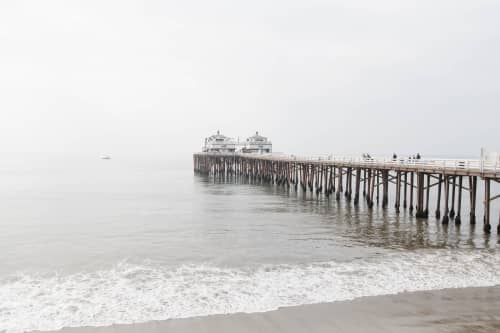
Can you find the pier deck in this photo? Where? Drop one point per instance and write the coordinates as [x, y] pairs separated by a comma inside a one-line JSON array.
[[328, 175]]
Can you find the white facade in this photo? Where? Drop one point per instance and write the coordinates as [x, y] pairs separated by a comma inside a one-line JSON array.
[[219, 143], [257, 144]]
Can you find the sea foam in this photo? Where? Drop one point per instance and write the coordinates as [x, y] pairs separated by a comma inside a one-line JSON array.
[[130, 293]]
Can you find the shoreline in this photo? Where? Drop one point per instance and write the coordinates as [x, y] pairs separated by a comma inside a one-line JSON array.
[[473, 309]]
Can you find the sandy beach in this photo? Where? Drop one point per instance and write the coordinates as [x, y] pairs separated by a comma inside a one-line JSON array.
[[448, 310]]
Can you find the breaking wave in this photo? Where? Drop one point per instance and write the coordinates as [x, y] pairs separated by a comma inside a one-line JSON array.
[[130, 293]]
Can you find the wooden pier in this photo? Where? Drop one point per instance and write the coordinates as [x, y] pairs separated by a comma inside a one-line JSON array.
[[414, 179]]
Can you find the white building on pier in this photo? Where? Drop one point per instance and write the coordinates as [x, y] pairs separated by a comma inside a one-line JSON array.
[[219, 143], [257, 144]]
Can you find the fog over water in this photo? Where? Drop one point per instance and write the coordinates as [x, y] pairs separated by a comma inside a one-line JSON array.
[[139, 237], [316, 76]]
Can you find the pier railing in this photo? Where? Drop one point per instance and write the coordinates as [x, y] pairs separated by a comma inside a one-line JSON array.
[[476, 166]]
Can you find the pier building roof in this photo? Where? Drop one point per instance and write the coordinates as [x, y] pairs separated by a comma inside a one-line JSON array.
[[219, 143]]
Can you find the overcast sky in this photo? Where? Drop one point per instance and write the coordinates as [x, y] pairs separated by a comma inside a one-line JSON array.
[[158, 76]]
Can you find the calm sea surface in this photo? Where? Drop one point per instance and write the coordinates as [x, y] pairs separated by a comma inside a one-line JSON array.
[[85, 241]]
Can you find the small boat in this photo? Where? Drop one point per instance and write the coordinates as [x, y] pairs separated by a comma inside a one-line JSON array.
[[105, 157]]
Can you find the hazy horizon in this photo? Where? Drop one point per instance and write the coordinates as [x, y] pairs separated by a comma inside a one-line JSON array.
[[315, 76]]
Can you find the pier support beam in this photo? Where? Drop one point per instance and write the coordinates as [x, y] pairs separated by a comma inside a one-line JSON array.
[[364, 182], [330, 181], [453, 186], [385, 188], [310, 170], [372, 191], [369, 179], [473, 195], [334, 179], [349, 184], [446, 218], [420, 195], [427, 196], [411, 192], [358, 180], [325, 184], [458, 218], [487, 225], [339, 185], [438, 205], [398, 191], [405, 189]]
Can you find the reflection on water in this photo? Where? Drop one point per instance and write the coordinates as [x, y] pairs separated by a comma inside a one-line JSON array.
[[358, 225], [74, 214]]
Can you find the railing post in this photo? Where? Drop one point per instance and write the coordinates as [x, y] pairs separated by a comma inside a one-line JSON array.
[[481, 162]]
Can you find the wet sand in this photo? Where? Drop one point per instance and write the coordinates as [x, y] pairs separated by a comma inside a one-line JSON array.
[[449, 310]]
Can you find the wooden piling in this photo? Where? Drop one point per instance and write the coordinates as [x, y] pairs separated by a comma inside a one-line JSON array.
[[411, 192], [339, 185], [405, 188], [438, 204], [369, 176], [349, 184], [325, 184], [358, 181], [473, 196], [364, 182], [428, 189], [385, 188], [453, 186], [372, 192], [446, 218], [398, 190], [420, 195], [458, 218], [487, 225]]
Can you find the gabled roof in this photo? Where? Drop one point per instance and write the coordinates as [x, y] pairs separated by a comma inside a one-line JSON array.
[[218, 136], [258, 137]]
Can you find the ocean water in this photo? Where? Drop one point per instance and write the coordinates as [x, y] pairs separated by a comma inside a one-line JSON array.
[[91, 242]]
